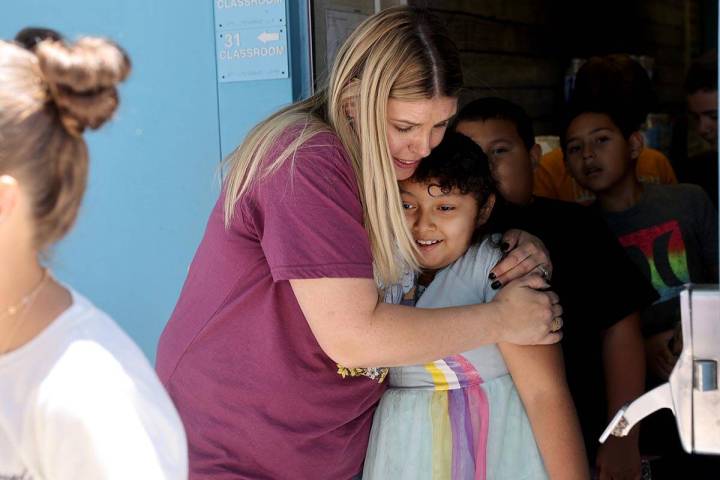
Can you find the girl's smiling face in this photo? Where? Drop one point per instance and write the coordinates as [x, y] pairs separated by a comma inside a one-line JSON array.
[[442, 223]]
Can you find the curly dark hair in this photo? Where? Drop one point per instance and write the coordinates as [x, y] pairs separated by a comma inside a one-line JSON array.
[[458, 162]]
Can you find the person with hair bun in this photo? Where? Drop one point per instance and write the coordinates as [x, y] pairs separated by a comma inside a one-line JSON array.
[[79, 400], [281, 320]]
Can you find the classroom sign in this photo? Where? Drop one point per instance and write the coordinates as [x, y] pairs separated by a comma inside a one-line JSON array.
[[251, 40]]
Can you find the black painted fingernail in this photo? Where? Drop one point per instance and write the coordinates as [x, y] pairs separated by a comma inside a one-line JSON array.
[[504, 246], [491, 276], [495, 285]]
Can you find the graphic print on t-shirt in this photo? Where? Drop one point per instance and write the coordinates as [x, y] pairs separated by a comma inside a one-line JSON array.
[[664, 252]]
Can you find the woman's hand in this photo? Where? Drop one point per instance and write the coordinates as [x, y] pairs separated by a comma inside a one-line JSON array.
[[529, 316], [524, 253]]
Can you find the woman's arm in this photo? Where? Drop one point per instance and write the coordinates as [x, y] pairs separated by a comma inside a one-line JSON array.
[[356, 330], [539, 375]]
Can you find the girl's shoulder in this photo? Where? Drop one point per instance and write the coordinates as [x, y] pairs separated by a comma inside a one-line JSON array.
[[480, 258]]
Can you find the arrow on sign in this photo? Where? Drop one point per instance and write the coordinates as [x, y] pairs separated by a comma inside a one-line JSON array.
[[268, 37]]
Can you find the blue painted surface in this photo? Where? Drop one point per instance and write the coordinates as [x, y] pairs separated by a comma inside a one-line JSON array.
[[153, 176]]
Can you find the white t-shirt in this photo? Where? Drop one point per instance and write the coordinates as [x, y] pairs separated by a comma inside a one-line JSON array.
[[80, 401]]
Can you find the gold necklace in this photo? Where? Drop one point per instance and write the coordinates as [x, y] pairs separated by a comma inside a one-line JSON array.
[[22, 306]]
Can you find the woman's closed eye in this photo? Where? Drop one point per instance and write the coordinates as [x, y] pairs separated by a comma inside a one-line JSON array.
[[446, 208]]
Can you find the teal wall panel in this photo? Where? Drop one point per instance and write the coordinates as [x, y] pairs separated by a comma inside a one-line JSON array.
[[154, 168]]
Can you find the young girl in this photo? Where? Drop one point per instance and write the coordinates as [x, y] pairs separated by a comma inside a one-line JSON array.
[[464, 416], [78, 400]]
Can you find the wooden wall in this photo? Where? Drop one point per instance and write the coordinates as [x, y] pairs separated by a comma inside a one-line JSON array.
[[520, 49], [356, 10]]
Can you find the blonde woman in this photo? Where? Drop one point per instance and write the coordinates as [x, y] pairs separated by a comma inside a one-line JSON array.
[[78, 400], [283, 286]]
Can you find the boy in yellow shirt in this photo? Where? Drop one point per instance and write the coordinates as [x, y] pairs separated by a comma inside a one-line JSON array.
[[624, 80], [552, 180]]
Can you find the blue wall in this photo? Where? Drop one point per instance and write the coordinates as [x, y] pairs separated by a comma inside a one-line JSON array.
[[153, 173]]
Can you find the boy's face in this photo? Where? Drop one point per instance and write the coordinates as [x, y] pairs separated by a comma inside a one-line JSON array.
[[703, 107], [510, 161], [441, 224], [597, 154]]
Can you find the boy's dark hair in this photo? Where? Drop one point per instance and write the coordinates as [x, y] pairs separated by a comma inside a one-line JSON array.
[[619, 79], [457, 162], [624, 119], [495, 108], [702, 74]]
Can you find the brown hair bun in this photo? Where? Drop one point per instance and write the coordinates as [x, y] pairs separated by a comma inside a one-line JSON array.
[[82, 79]]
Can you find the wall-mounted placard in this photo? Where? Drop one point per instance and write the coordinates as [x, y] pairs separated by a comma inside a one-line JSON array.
[[251, 39]]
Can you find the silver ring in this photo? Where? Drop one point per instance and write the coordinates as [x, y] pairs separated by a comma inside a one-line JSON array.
[[544, 271], [556, 324]]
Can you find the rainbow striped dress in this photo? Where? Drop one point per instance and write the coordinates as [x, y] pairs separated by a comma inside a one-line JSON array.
[[460, 417]]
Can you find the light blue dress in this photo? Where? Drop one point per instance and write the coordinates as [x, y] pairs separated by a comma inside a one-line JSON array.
[[459, 417]]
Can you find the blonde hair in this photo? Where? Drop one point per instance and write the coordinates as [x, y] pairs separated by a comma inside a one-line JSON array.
[[401, 53], [48, 96]]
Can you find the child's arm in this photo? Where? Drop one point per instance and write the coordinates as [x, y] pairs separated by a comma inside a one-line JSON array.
[[539, 375], [624, 361]]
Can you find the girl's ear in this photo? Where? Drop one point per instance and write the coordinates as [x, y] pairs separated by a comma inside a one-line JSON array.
[[637, 143], [9, 192], [486, 210], [350, 110]]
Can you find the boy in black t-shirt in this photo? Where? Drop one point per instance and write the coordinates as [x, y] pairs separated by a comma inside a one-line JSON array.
[[601, 290]]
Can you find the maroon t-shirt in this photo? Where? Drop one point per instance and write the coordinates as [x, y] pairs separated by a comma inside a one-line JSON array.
[[257, 395]]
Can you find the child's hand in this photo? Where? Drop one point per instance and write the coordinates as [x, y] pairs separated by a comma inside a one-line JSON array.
[[529, 316], [619, 459], [524, 253], [660, 360]]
